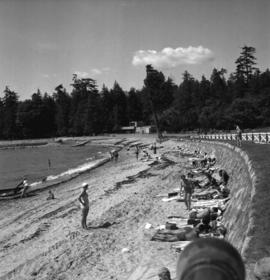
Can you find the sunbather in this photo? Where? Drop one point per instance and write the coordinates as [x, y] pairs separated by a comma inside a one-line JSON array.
[[224, 177]]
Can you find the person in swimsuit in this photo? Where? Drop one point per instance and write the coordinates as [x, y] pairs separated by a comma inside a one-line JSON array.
[[187, 186], [84, 202]]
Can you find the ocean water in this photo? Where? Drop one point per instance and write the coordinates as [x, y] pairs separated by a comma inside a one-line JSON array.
[[48, 161]]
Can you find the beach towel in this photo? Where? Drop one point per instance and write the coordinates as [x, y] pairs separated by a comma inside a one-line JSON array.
[[167, 235]]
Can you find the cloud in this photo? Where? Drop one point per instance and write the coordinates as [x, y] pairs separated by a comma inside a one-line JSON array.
[[96, 71], [82, 74], [92, 72], [170, 58]]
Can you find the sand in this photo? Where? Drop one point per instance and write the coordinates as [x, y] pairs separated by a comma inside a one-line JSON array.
[[43, 239]]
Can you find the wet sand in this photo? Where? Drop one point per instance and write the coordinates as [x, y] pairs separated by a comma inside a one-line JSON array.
[[43, 239]]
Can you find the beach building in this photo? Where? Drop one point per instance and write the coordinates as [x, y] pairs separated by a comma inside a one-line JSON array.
[[138, 127]]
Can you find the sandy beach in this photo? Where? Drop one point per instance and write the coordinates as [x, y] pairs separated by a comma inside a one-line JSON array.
[[43, 239]]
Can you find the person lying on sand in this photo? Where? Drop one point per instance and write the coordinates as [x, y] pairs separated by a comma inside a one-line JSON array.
[[224, 177], [84, 202]]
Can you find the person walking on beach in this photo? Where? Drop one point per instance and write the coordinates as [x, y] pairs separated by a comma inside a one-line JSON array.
[[84, 201], [186, 185], [238, 136]]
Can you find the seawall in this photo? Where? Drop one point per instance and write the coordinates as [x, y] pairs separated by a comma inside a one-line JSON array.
[[239, 215]]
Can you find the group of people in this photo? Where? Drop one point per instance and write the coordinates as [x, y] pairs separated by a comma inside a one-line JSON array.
[[23, 189], [206, 257], [204, 181], [190, 187], [145, 154]]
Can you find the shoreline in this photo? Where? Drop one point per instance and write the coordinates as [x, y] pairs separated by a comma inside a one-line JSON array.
[[49, 180]]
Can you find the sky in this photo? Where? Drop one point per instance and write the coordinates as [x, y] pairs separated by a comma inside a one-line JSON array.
[[42, 43]]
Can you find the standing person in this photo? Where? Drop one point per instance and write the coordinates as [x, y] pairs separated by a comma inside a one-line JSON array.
[[18, 187], [137, 152], [84, 201], [49, 163], [25, 188], [155, 148], [186, 185], [238, 136], [116, 155]]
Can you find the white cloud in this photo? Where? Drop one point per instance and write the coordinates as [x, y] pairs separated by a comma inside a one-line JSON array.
[[82, 74], [170, 58], [92, 72], [96, 71]]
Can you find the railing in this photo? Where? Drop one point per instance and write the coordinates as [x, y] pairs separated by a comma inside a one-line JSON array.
[[261, 137]]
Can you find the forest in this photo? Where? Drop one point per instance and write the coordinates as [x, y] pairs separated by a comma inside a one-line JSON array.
[[217, 103]]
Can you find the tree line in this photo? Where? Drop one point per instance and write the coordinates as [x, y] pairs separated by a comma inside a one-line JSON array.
[[216, 103]]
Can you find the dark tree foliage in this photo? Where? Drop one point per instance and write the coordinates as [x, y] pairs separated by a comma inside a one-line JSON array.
[[1, 119], [9, 111], [153, 87], [134, 106], [120, 116], [36, 117], [62, 102], [85, 107], [245, 64], [215, 103]]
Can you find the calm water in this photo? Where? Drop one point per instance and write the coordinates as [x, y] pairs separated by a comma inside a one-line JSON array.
[[33, 162]]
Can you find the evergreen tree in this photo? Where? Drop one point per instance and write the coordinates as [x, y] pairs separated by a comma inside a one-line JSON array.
[[245, 64], [48, 115], [186, 102], [119, 106], [63, 104], [85, 107], [1, 119], [134, 106], [153, 83], [10, 105], [107, 106]]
